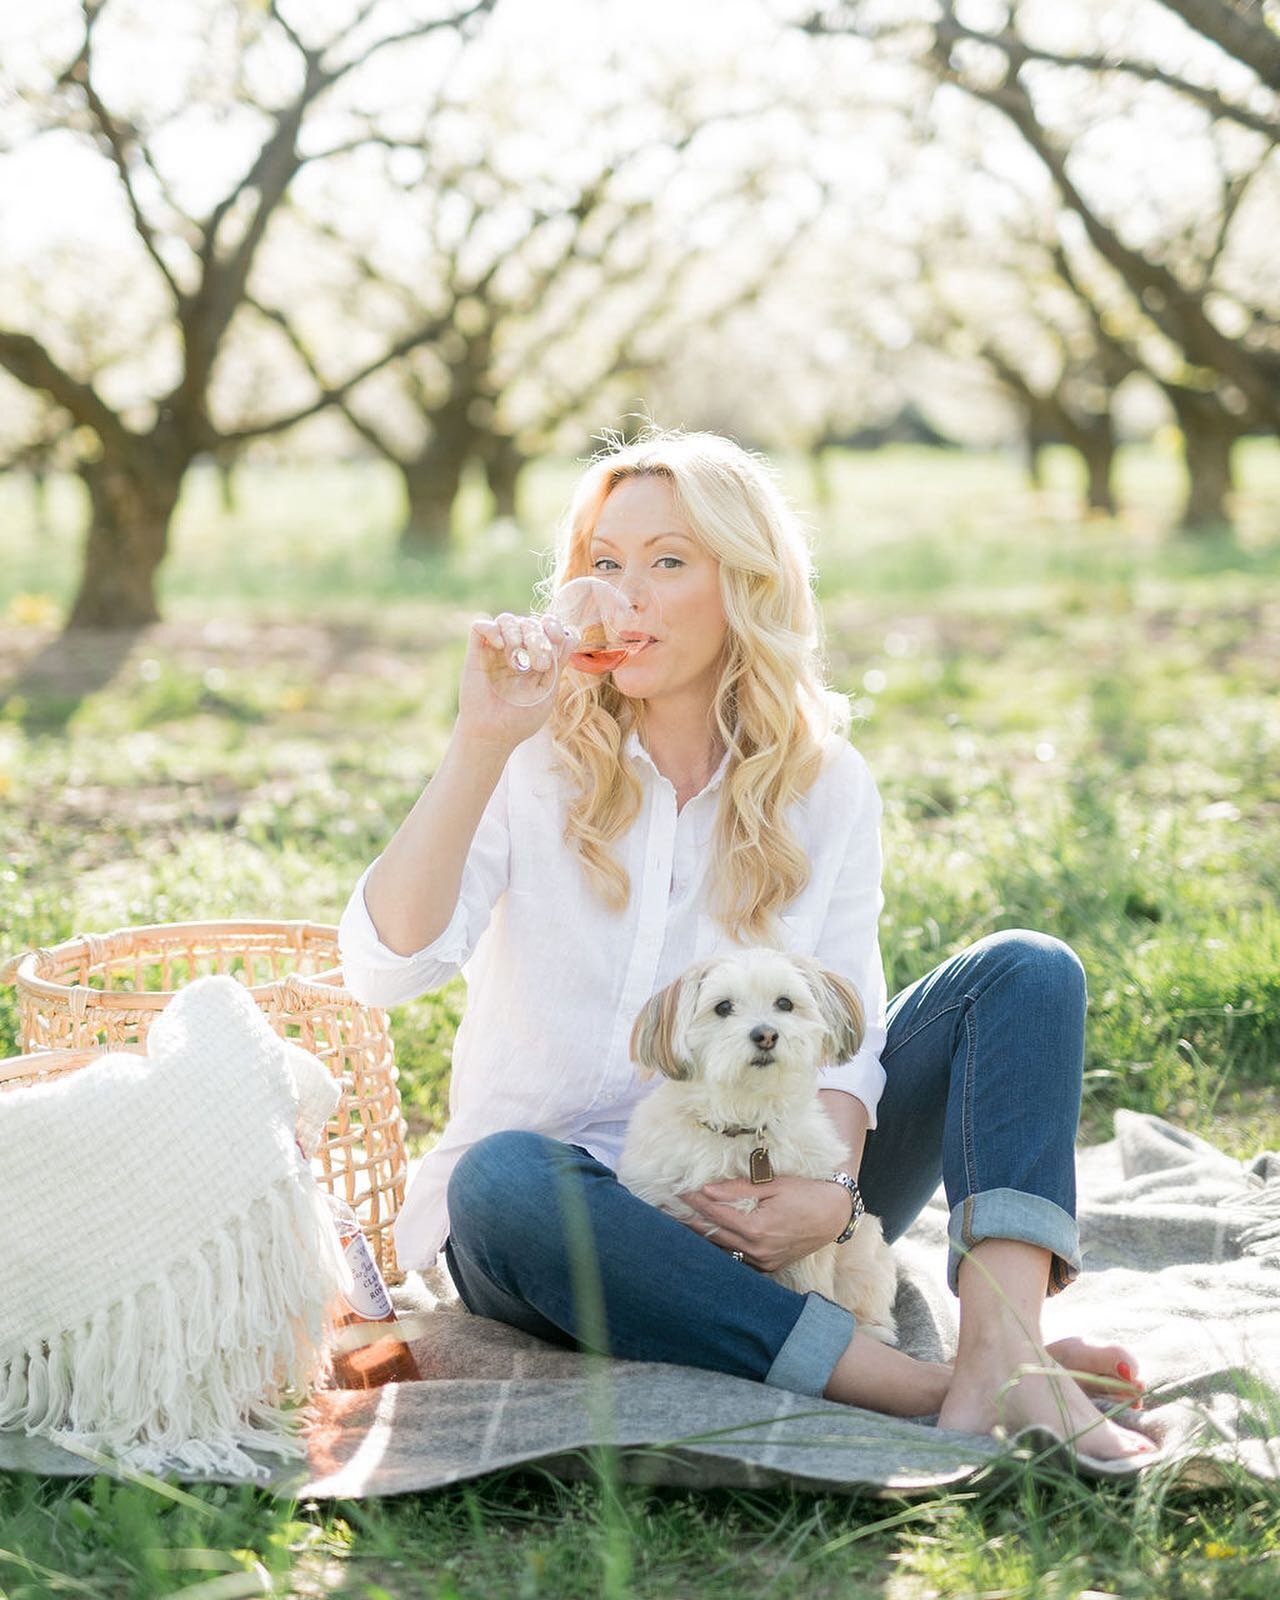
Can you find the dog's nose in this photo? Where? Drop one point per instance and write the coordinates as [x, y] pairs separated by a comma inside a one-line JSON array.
[[766, 1038]]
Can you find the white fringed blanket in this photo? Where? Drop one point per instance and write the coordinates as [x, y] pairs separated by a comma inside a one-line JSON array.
[[166, 1259]]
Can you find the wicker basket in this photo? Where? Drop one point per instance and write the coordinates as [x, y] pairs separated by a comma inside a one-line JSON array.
[[42, 1066], [99, 992]]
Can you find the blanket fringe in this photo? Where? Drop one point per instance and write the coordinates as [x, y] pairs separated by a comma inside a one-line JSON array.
[[1259, 1210], [219, 1354]]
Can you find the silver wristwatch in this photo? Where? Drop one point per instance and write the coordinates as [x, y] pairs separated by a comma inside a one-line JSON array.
[[851, 1184]]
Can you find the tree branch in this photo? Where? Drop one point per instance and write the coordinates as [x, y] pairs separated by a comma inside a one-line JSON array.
[[117, 140], [627, 359], [419, 31], [1128, 357], [1239, 30], [287, 28], [207, 314], [341, 400], [30, 363], [332, 394], [1175, 309], [1233, 192], [361, 142], [1018, 52]]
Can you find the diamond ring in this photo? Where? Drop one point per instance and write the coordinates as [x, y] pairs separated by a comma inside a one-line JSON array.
[[521, 658], [736, 1254]]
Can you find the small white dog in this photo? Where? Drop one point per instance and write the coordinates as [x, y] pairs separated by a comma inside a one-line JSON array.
[[740, 1039]]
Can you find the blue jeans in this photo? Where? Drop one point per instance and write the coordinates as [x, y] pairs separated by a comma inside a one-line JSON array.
[[983, 1061]]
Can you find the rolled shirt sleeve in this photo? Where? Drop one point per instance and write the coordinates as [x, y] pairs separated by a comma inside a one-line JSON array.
[[850, 942], [379, 976]]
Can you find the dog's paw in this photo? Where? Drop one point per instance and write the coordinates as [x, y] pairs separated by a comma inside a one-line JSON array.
[[877, 1330]]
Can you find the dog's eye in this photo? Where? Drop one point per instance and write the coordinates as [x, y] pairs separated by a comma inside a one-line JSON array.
[[784, 1004], [724, 1008]]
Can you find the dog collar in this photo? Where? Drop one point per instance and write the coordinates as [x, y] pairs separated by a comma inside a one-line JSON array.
[[761, 1166], [732, 1133]]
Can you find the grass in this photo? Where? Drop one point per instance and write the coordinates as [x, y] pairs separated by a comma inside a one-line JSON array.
[[1075, 728], [524, 1534]]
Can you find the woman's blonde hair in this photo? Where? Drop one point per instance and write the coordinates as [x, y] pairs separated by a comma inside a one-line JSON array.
[[772, 707]]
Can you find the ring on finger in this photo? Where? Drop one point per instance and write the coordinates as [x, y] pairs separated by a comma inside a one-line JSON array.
[[736, 1255]]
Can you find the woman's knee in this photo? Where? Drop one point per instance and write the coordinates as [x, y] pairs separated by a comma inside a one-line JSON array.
[[499, 1178], [1037, 958]]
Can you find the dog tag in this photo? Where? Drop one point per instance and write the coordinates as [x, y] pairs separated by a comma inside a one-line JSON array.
[[761, 1166]]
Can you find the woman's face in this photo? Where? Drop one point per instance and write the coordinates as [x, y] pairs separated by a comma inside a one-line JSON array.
[[640, 534]]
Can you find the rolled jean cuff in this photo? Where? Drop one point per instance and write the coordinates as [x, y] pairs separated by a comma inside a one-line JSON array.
[[818, 1338], [1010, 1214]]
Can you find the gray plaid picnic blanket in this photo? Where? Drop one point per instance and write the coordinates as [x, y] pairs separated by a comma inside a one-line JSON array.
[[1181, 1246]]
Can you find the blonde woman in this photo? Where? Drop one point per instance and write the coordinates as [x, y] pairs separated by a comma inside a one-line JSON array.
[[575, 856]]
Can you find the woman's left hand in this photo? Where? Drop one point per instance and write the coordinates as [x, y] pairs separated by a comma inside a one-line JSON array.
[[793, 1217]]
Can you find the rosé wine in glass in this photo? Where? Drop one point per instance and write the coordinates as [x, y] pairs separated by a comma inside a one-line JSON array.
[[604, 624]]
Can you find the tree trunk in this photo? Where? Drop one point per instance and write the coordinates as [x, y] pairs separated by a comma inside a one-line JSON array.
[[431, 484], [820, 476], [1091, 433], [1098, 448], [227, 485], [1039, 430], [40, 500], [130, 510], [1209, 470], [503, 463], [432, 481], [1034, 442]]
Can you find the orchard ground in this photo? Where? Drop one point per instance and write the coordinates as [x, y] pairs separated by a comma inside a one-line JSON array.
[[1075, 727]]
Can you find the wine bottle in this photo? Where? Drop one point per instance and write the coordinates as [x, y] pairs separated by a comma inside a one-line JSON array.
[[365, 1363]]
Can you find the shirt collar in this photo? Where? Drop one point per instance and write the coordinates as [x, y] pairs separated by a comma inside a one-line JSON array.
[[633, 747]]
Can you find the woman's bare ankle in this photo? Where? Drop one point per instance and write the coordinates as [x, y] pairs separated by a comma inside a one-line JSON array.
[[880, 1378]]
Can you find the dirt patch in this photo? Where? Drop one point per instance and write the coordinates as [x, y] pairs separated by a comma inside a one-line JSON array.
[[67, 663]]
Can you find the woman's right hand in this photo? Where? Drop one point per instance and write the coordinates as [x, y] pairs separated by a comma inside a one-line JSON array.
[[483, 713]]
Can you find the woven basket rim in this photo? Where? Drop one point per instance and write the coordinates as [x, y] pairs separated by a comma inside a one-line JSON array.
[[64, 1054], [37, 1063], [19, 970]]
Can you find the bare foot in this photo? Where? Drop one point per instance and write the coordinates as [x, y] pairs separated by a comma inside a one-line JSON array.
[[1112, 1363], [995, 1389], [1111, 1371]]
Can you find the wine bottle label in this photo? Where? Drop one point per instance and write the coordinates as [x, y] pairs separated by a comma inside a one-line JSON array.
[[368, 1296]]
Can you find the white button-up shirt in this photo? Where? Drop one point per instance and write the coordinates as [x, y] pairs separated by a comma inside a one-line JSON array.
[[555, 980]]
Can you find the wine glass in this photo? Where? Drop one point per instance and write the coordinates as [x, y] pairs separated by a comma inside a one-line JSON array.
[[602, 628]]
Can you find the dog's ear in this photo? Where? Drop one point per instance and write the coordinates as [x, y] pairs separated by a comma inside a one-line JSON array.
[[841, 1008], [653, 1035], [658, 1028]]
